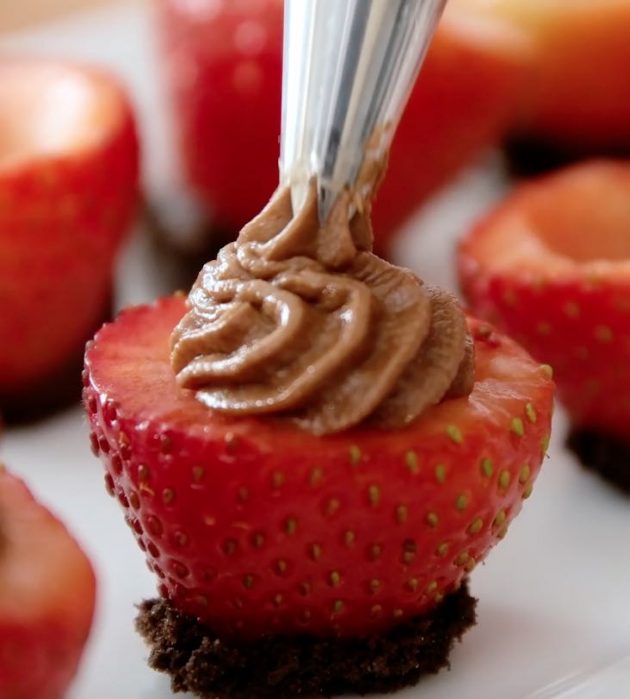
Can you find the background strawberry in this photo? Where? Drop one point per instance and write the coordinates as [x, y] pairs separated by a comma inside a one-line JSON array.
[[551, 266], [68, 190], [223, 63], [47, 590], [578, 91], [254, 525]]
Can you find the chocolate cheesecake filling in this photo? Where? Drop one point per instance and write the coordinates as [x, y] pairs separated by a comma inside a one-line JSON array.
[[302, 321]]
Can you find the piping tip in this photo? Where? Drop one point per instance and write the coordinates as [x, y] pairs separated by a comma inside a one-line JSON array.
[[349, 67]]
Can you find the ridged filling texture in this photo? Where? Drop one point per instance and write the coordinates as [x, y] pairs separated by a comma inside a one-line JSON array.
[[303, 321]]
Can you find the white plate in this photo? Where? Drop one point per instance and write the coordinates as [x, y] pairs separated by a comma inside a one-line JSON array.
[[554, 611]]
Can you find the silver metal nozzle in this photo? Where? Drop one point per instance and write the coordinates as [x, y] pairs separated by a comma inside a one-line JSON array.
[[349, 66]]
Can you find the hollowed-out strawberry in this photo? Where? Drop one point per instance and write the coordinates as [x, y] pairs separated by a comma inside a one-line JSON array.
[[255, 526], [551, 266], [577, 94], [68, 190]]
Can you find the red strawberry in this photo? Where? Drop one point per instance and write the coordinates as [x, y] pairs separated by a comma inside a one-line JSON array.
[[224, 65], [224, 68], [578, 91], [551, 266], [449, 119], [254, 525], [47, 591], [68, 189]]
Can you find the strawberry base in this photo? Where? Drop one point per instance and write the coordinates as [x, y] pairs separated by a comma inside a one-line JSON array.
[[59, 388], [212, 667], [605, 455]]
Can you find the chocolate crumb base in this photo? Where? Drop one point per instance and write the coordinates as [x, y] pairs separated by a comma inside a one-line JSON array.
[[183, 239], [529, 156], [606, 455], [57, 390], [282, 667]]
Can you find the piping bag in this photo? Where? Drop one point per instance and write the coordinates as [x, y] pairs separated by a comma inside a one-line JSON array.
[[349, 67]]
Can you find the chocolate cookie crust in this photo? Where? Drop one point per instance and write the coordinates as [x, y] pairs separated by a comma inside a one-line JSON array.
[[284, 667], [607, 456], [528, 156]]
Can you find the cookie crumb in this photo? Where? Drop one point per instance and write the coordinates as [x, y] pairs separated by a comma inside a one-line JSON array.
[[280, 667], [608, 456]]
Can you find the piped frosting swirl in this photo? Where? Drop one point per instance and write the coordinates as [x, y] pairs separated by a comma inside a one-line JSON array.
[[303, 321]]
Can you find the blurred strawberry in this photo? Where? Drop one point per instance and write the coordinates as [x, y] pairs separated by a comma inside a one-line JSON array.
[[68, 190], [551, 266], [47, 597], [578, 92]]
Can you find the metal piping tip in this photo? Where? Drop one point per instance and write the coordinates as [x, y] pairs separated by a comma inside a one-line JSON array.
[[349, 66]]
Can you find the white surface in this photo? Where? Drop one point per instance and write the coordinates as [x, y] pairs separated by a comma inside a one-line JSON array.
[[554, 611]]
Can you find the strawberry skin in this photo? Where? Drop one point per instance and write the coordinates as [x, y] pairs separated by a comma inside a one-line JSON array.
[[551, 266], [448, 120], [64, 211], [255, 526], [47, 594], [224, 69]]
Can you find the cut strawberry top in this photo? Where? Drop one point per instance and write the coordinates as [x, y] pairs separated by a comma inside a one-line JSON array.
[[114, 362], [51, 109], [578, 87], [572, 223], [256, 526]]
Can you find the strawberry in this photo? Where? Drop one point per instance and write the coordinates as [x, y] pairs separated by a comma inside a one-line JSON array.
[[224, 65], [253, 525], [224, 68], [551, 266], [448, 120], [47, 592], [68, 189], [577, 94]]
